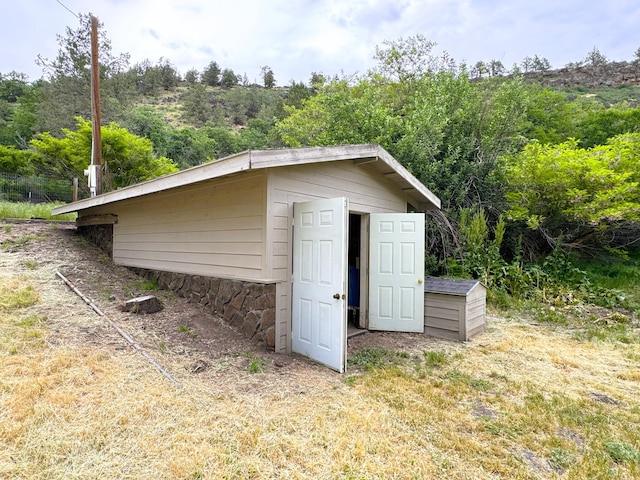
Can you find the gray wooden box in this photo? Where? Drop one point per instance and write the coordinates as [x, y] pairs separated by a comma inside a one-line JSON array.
[[454, 309]]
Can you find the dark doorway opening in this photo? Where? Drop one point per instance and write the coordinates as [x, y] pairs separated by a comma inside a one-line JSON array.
[[354, 265]]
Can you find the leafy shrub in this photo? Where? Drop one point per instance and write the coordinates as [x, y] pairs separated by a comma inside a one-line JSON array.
[[622, 452]]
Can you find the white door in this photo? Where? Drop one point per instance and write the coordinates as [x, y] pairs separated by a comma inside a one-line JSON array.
[[319, 306], [396, 272]]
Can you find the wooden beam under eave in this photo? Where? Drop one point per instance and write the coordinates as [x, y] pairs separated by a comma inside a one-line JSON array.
[[365, 161], [106, 219]]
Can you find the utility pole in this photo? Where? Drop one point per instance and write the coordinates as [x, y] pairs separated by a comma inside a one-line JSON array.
[[95, 169]]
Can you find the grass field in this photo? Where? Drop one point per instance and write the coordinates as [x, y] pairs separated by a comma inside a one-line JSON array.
[[526, 400], [32, 210]]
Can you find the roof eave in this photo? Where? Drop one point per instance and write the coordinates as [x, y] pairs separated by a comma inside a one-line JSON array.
[[418, 196]]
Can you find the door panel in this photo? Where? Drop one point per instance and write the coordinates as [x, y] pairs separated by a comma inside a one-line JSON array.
[[396, 269], [319, 321]]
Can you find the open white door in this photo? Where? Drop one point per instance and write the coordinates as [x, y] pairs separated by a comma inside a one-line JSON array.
[[396, 272], [319, 310]]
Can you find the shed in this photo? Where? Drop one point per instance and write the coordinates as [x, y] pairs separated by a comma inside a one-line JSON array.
[[454, 309], [268, 238]]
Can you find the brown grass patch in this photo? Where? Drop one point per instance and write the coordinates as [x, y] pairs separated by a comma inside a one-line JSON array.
[[519, 402]]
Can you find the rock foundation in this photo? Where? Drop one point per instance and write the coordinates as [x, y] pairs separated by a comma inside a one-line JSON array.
[[101, 235]]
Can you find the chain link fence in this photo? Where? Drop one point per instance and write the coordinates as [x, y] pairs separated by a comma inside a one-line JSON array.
[[17, 188]]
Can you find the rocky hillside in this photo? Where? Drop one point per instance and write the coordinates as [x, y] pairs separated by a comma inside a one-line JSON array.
[[613, 74]]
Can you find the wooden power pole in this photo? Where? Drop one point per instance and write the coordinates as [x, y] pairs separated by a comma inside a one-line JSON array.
[[96, 152]]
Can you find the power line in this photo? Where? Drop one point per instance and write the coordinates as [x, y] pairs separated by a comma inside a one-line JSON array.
[[68, 9]]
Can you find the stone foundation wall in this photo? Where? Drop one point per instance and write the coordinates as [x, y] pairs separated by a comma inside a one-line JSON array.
[[247, 306], [101, 235]]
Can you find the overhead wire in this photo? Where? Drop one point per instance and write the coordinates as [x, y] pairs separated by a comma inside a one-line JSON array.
[[68, 9]]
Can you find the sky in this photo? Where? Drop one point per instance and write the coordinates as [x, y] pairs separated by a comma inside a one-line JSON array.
[[333, 37]]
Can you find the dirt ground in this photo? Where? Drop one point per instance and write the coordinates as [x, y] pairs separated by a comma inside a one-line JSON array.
[[183, 337]]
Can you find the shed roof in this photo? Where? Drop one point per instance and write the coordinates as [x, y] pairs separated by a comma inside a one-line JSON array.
[[419, 196], [450, 286]]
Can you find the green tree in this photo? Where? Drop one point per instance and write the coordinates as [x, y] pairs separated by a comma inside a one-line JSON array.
[[66, 89], [268, 78], [229, 78], [317, 81], [551, 117], [255, 135], [13, 86], [188, 146], [211, 75], [146, 122], [127, 159], [226, 142], [74, 54], [496, 68], [21, 162], [535, 64], [479, 70], [595, 58], [150, 79], [146, 77], [578, 195], [540, 64], [23, 121], [297, 93], [447, 130], [169, 76], [599, 124], [406, 58], [192, 76], [197, 107]]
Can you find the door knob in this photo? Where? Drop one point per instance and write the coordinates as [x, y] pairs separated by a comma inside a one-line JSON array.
[[419, 281], [336, 296]]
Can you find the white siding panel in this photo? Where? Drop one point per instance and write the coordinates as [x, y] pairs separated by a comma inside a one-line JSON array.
[[368, 190], [210, 236], [283, 318], [224, 248], [215, 228], [220, 259], [280, 224]]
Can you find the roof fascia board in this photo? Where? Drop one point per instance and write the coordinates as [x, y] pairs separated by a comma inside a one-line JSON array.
[[206, 171], [407, 177], [301, 156], [258, 159]]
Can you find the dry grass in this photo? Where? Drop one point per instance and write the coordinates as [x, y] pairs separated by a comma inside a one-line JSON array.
[[89, 413], [519, 402]]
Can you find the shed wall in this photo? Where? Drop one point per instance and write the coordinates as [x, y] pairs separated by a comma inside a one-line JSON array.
[[215, 228], [476, 312], [368, 191], [455, 317], [443, 314]]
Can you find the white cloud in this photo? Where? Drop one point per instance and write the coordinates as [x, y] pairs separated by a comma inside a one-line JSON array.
[[296, 37]]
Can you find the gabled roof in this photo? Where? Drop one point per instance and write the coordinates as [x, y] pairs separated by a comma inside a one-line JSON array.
[[374, 155]]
